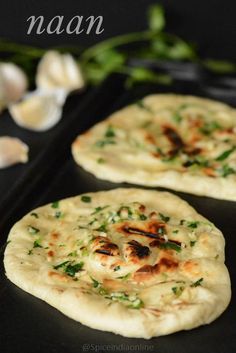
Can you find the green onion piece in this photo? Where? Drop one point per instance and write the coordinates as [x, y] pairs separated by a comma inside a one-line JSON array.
[[33, 230]]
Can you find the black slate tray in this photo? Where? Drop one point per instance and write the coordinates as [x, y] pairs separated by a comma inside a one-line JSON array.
[[28, 325]]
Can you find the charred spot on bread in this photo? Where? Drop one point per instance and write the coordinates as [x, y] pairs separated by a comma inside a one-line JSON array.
[[165, 264], [104, 246], [138, 250]]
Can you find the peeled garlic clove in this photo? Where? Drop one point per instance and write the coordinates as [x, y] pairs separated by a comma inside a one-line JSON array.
[[13, 83], [12, 151], [57, 70], [38, 111], [74, 75]]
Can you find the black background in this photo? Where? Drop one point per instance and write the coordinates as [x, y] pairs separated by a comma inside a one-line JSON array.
[[210, 23]]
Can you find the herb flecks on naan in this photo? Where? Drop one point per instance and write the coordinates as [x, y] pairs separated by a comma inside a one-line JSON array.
[[135, 262], [180, 142]]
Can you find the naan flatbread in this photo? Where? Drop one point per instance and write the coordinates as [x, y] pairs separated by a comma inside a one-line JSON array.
[[134, 262], [179, 142]]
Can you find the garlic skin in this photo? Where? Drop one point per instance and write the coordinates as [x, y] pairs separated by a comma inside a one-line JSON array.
[[57, 70], [39, 110], [12, 151], [13, 84], [57, 75]]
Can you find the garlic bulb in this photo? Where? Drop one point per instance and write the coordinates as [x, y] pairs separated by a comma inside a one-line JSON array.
[[12, 151], [39, 110], [13, 84], [57, 70]]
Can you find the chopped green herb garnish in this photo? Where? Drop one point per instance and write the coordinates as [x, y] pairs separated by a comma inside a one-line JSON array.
[[161, 231], [197, 283], [101, 160], [117, 268], [71, 270], [159, 150], [73, 253], [34, 214], [58, 214], [30, 252], [192, 243], [33, 230], [198, 161], [102, 228], [84, 252], [99, 209], [177, 118], [193, 224], [177, 290], [103, 291], [182, 221], [95, 283], [225, 154], [169, 158], [120, 296], [93, 221], [137, 304], [142, 217], [55, 204], [110, 132], [170, 245], [164, 218], [61, 265], [123, 209], [124, 277], [37, 244], [103, 143], [210, 127], [86, 198], [175, 231], [226, 170]]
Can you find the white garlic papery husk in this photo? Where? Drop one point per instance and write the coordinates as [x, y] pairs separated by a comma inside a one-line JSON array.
[[39, 110], [13, 84], [57, 70], [12, 151]]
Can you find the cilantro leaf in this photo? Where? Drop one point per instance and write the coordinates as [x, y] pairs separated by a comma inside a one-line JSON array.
[[164, 218], [55, 204], [86, 198], [170, 245], [156, 18], [197, 283], [225, 154]]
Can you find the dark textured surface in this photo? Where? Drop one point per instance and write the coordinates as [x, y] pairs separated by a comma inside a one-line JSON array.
[[28, 325]]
